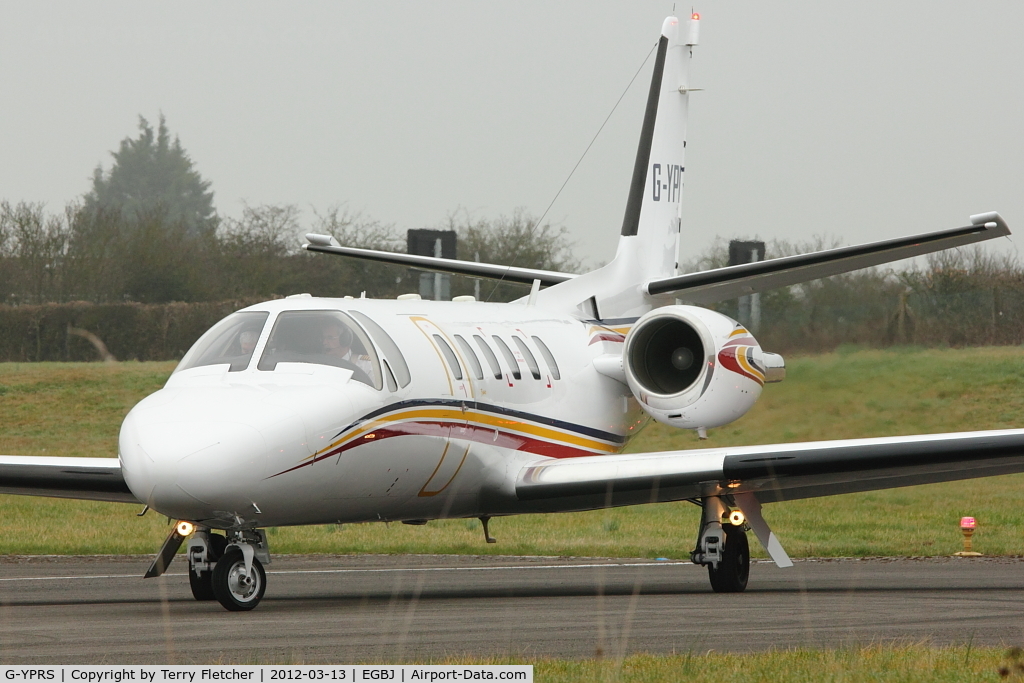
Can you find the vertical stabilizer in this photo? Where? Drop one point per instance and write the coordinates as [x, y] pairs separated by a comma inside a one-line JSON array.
[[649, 242]]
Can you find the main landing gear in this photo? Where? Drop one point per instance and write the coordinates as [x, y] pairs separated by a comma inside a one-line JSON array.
[[228, 569], [722, 546]]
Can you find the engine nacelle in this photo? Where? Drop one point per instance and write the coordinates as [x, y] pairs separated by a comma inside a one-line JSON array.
[[693, 368]]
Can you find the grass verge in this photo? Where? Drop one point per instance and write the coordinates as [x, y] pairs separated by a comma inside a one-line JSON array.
[[877, 664], [76, 409]]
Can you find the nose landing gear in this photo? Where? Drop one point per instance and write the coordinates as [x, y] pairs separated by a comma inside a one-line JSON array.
[[203, 551], [238, 585], [228, 569]]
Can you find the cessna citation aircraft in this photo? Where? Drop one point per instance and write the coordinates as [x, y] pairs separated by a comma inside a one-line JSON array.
[[312, 411]]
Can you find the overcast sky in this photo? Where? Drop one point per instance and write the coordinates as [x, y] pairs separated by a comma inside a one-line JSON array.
[[859, 120]]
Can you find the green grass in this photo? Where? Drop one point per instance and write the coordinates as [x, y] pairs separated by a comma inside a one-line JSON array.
[[76, 409], [877, 664]]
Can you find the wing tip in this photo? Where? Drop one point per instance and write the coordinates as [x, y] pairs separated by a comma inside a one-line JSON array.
[[984, 219]]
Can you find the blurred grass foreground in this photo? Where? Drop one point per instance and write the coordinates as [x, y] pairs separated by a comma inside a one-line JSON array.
[[76, 409]]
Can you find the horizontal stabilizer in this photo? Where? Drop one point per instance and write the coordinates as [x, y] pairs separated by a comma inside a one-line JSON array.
[[81, 478], [709, 286], [322, 243]]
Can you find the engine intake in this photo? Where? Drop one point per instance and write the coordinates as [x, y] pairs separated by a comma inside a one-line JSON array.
[[693, 368], [667, 356]]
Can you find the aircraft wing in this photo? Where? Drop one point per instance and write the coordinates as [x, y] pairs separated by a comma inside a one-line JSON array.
[[82, 478], [709, 286], [771, 473], [328, 245]]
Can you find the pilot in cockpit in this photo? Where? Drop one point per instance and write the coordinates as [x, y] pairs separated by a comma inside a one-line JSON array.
[[339, 342], [247, 341]]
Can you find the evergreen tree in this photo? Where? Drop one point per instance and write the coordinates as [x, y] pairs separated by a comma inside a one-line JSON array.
[[152, 175]]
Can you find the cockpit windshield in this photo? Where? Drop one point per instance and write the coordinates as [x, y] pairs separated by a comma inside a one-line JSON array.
[[322, 338], [229, 342]]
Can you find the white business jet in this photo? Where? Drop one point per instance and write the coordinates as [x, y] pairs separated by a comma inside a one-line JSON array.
[[311, 411]]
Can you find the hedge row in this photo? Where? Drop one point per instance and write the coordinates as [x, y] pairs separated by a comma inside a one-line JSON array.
[[130, 331]]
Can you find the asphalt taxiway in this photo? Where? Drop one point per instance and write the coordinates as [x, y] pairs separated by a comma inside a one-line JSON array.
[[338, 609]]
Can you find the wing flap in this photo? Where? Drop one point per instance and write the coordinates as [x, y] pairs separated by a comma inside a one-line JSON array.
[[710, 286], [81, 478]]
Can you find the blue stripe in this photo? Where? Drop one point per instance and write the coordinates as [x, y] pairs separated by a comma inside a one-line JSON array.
[[487, 408]]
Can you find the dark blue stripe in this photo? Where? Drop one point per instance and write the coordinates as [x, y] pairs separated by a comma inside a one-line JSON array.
[[612, 321], [487, 408]]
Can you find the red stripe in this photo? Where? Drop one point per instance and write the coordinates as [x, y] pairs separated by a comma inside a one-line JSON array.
[[454, 430], [607, 336]]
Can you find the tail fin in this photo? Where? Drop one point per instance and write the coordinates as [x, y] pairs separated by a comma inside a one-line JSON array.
[[649, 242]]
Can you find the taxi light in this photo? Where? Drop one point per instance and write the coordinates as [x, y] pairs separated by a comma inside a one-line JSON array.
[[695, 16], [185, 528], [967, 527], [736, 518]]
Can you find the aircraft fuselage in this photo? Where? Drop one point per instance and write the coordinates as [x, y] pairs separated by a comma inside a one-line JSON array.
[[488, 388]]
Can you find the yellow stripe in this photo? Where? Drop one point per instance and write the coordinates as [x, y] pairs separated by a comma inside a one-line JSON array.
[[595, 329], [738, 330], [741, 356], [542, 432], [479, 419]]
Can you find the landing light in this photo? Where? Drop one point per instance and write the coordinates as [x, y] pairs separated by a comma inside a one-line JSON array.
[[736, 518], [185, 528], [695, 16]]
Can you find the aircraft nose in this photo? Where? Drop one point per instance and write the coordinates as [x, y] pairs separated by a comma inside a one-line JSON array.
[[205, 453], [196, 454]]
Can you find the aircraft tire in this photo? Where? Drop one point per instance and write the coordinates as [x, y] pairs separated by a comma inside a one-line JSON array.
[[234, 591], [734, 569], [202, 582]]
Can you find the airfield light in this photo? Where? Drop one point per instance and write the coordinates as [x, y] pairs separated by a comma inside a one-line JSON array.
[[736, 518], [185, 528], [967, 526]]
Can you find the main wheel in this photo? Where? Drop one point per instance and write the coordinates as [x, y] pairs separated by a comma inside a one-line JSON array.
[[232, 588], [202, 582], [733, 570]]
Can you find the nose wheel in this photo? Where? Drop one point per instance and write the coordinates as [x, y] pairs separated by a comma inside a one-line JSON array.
[[236, 587], [200, 575]]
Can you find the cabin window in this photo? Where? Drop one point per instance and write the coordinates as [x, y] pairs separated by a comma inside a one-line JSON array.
[[396, 361], [470, 355], [510, 358], [548, 357], [229, 342], [492, 360], [322, 338], [389, 377], [449, 355], [531, 360]]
